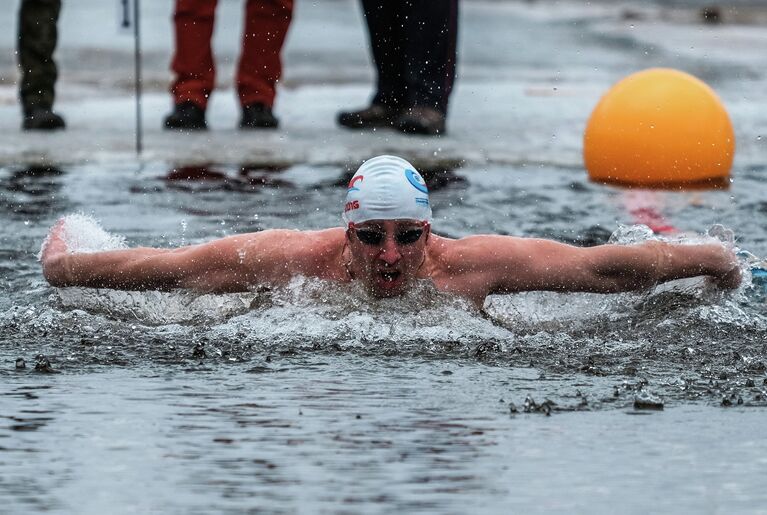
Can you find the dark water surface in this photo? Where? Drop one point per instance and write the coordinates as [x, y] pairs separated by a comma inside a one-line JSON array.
[[316, 399]]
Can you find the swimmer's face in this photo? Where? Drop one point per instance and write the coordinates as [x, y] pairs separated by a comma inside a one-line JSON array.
[[386, 254]]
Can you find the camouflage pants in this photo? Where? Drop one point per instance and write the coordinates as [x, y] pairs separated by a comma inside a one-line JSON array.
[[37, 36]]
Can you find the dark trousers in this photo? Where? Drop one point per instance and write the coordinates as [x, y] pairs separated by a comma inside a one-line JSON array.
[[260, 66], [414, 49], [37, 35]]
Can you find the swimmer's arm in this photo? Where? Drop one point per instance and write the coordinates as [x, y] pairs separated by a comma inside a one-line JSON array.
[[129, 269], [534, 264], [226, 265]]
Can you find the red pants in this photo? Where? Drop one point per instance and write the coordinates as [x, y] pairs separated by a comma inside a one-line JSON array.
[[260, 67]]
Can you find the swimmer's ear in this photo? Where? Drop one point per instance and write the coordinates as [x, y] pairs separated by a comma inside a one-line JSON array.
[[427, 230]]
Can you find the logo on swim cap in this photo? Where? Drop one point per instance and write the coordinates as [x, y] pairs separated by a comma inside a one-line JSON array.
[[356, 178], [416, 180]]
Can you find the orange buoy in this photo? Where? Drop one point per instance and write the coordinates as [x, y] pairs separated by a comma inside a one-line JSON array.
[[659, 127]]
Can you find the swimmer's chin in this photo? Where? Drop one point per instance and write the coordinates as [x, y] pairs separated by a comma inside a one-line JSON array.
[[387, 289]]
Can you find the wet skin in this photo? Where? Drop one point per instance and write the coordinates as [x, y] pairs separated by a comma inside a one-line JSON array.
[[385, 257]]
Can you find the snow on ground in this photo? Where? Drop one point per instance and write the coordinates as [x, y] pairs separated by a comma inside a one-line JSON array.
[[529, 75]]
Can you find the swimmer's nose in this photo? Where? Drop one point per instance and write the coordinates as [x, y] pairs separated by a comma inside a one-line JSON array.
[[389, 251]]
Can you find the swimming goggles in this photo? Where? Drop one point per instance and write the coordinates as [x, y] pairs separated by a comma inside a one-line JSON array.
[[372, 237]]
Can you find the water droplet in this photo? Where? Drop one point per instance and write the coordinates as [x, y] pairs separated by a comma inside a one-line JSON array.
[[183, 231]]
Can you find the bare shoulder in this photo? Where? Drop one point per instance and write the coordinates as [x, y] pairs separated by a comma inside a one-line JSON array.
[[469, 253], [291, 239], [318, 246], [296, 252], [469, 266], [476, 266]]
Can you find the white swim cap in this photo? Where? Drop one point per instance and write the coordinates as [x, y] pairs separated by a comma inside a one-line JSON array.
[[386, 188]]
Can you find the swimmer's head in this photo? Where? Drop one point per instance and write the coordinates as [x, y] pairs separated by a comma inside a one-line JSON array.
[[387, 215], [386, 188]]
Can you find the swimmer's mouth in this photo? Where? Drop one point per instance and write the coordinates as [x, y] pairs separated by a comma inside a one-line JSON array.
[[389, 275]]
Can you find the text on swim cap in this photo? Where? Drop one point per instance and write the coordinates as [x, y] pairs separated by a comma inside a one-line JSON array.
[[353, 204]]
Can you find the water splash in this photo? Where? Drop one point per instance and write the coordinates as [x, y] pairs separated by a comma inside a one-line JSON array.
[[631, 234], [552, 330], [753, 268], [84, 234], [302, 313], [311, 309], [155, 308]]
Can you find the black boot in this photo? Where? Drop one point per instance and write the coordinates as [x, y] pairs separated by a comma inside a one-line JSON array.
[[376, 115], [422, 120], [186, 116], [42, 119], [258, 116]]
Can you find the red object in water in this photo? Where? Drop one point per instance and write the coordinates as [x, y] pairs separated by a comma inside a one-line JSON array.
[[652, 219]]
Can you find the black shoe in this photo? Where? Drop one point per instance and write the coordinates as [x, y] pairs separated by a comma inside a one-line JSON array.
[[186, 116], [258, 116], [376, 115], [42, 119], [422, 120]]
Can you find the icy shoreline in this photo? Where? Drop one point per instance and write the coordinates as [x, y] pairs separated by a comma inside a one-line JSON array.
[[529, 75]]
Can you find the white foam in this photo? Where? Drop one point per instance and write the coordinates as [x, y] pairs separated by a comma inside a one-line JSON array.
[[639, 233], [632, 234], [84, 234], [155, 308], [301, 313]]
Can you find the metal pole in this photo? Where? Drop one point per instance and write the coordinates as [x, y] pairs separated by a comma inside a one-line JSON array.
[[137, 73]]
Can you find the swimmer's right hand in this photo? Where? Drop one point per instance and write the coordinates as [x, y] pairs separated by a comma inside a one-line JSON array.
[[53, 255], [724, 269]]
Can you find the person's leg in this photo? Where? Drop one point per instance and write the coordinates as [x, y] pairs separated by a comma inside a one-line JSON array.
[[384, 22], [192, 64], [385, 28], [37, 37], [260, 67], [193, 59], [430, 54], [430, 50]]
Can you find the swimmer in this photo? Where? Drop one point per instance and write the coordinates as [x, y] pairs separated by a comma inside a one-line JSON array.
[[387, 245]]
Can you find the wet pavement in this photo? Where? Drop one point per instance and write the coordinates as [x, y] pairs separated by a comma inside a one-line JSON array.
[[529, 74]]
